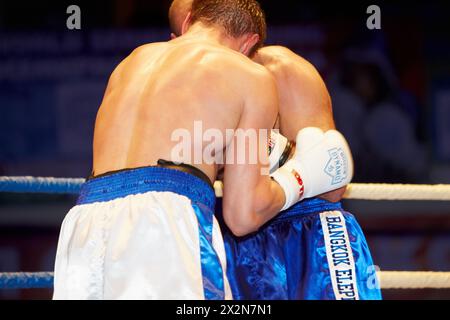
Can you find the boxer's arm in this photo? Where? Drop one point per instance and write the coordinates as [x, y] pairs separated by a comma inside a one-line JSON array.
[[304, 98], [251, 197]]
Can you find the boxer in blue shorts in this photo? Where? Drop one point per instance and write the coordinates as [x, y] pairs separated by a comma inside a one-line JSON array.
[[315, 249]]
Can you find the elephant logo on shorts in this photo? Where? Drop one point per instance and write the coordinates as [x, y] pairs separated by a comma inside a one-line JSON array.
[[337, 166]]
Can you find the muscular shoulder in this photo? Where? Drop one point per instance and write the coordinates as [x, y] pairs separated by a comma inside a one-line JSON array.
[[148, 48], [260, 89], [290, 69], [253, 76], [252, 81], [135, 56], [281, 61], [231, 61], [302, 91], [240, 71]]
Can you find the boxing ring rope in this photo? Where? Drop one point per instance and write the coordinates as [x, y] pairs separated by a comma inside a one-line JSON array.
[[26, 280], [390, 192], [414, 280], [387, 279], [40, 185], [356, 191]]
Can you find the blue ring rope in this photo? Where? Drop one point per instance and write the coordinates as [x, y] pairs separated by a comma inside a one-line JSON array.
[[40, 185], [36, 280], [26, 280]]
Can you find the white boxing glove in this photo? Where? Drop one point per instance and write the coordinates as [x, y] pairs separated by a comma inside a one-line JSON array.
[[280, 149], [321, 163]]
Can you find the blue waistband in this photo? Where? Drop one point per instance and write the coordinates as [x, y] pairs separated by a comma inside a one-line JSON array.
[[309, 206], [148, 179]]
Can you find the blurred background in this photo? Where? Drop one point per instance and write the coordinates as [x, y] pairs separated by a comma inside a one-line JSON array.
[[390, 90]]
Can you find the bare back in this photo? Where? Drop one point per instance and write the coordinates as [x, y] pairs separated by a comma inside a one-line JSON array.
[[163, 87]]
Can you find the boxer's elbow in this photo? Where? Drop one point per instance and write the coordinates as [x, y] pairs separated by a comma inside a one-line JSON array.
[[241, 227], [241, 230], [240, 222], [243, 222]]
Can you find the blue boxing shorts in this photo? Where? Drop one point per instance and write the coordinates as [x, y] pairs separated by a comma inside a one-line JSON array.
[[146, 233], [313, 251]]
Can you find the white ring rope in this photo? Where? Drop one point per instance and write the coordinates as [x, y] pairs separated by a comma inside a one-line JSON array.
[[414, 280], [366, 191], [439, 192]]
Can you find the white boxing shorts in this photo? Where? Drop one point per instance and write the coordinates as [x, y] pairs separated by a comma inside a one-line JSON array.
[[146, 233]]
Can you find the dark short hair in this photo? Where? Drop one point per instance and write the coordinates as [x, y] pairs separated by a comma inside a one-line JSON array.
[[237, 17]]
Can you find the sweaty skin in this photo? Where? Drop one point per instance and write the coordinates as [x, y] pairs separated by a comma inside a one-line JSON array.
[[163, 87], [304, 100]]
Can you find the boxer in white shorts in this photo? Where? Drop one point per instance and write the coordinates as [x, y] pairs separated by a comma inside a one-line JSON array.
[[143, 228]]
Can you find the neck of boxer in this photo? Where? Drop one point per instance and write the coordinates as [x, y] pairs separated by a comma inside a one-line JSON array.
[[214, 35]]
